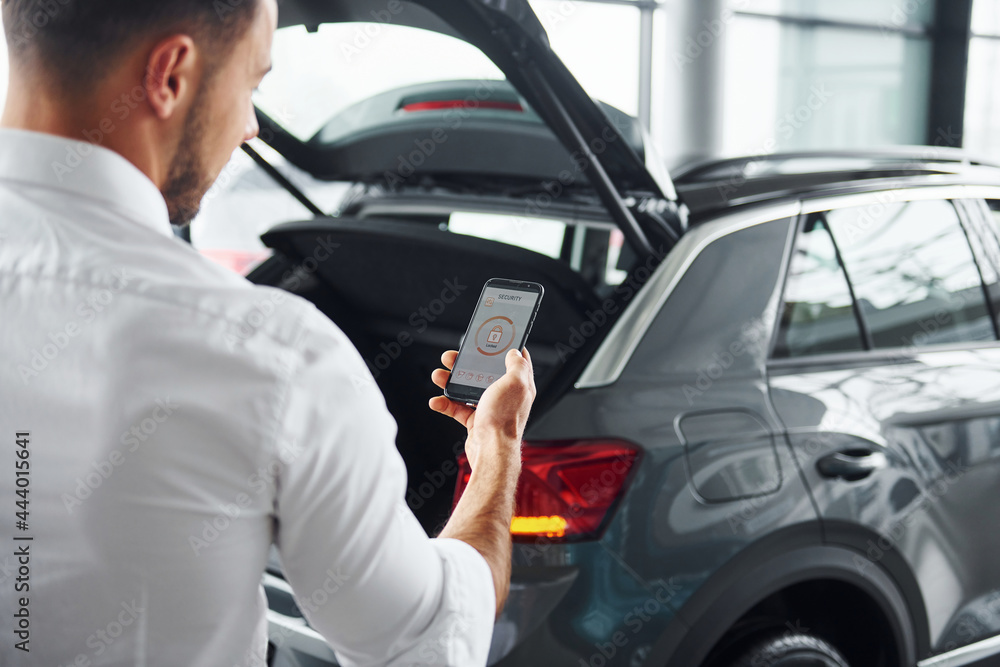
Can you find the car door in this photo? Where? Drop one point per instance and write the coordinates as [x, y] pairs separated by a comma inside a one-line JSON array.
[[886, 374]]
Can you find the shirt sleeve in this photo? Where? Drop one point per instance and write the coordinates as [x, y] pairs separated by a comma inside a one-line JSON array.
[[365, 574]]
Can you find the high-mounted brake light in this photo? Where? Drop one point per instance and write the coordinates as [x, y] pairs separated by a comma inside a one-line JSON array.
[[462, 104], [566, 489]]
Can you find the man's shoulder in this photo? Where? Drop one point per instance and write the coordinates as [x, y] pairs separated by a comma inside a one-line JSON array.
[[247, 312]]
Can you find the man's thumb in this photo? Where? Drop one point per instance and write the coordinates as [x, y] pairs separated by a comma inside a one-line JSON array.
[[512, 359]]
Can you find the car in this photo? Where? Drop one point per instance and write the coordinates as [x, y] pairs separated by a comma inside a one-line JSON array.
[[767, 429]]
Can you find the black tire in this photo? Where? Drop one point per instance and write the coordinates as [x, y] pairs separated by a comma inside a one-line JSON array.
[[790, 650]]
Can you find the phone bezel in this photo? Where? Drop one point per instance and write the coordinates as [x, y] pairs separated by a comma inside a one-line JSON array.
[[468, 394]]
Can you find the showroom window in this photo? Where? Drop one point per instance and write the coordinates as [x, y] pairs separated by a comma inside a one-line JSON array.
[[913, 273], [803, 74], [982, 97], [609, 73]]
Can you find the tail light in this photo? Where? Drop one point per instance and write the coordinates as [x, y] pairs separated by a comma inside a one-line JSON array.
[[566, 489]]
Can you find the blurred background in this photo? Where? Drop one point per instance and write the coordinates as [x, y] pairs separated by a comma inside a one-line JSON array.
[[743, 76]]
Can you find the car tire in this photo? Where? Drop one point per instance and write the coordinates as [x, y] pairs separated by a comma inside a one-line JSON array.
[[790, 650]]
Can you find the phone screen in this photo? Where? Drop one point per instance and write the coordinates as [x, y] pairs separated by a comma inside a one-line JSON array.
[[501, 322]]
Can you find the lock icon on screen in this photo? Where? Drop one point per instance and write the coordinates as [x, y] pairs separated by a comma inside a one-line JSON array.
[[495, 334]]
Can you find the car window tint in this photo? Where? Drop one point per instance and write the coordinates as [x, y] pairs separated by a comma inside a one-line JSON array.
[[913, 273], [818, 315]]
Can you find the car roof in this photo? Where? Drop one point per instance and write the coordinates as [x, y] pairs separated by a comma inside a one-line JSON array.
[[714, 186]]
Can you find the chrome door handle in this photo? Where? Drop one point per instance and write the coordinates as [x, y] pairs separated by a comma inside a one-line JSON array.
[[851, 465]]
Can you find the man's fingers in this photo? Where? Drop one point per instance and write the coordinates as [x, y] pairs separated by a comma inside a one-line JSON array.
[[448, 359], [456, 411], [440, 377], [517, 363]]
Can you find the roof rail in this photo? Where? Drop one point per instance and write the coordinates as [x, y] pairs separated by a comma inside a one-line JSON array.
[[916, 158]]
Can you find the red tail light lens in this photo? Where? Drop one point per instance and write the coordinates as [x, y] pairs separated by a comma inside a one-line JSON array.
[[566, 489]]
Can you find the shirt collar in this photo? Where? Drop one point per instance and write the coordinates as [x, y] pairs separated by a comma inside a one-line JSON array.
[[82, 169]]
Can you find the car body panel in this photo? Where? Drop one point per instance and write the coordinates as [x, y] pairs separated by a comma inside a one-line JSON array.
[[935, 413], [934, 503]]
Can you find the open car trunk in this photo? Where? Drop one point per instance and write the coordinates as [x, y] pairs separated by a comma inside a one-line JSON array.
[[404, 292]]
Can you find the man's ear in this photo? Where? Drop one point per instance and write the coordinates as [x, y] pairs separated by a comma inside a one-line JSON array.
[[172, 74]]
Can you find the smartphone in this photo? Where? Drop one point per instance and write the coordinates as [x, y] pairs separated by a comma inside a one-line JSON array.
[[502, 321]]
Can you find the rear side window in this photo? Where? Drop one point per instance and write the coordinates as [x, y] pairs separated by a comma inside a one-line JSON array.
[[994, 207], [914, 277], [818, 315]]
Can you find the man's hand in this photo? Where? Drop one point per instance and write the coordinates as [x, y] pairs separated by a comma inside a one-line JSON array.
[[502, 412], [482, 516]]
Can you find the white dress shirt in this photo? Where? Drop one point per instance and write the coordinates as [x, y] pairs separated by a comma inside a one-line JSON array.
[[181, 420]]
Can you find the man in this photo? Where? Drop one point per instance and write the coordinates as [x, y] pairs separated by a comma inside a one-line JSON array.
[[164, 421]]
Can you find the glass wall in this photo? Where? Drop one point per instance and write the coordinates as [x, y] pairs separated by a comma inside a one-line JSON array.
[[806, 74], [598, 42], [799, 74], [982, 96]]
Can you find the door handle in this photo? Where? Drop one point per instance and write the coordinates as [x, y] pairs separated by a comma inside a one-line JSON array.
[[851, 465]]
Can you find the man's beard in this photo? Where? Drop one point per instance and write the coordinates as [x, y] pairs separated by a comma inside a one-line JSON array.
[[187, 181]]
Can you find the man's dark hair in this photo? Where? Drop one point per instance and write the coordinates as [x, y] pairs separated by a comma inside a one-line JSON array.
[[77, 41]]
